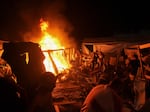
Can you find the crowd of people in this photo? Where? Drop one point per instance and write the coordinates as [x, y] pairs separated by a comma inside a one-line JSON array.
[[124, 83], [114, 92]]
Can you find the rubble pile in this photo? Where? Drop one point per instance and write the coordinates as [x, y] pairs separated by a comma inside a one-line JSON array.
[[74, 87]]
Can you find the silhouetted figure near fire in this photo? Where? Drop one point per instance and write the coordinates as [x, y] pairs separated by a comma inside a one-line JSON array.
[[11, 94], [133, 65], [43, 101], [95, 60], [26, 60]]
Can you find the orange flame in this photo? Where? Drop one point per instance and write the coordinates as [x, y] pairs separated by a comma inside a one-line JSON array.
[[55, 60]]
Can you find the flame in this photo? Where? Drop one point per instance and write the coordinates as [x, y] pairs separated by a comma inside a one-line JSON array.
[[55, 60]]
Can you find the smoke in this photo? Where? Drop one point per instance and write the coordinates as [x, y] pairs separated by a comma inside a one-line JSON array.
[[52, 12]]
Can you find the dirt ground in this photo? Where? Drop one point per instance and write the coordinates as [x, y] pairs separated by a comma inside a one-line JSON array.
[[72, 107], [69, 96]]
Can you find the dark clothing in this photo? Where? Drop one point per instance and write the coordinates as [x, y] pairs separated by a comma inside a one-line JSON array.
[[10, 98], [95, 60], [133, 66], [42, 102]]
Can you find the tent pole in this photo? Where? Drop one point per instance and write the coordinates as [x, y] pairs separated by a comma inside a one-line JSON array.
[[140, 59]]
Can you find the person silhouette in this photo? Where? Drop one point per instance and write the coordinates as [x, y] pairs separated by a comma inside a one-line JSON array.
[[43, 100]]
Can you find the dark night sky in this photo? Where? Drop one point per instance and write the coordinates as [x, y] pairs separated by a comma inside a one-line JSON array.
[[89, 18], [98, 18]]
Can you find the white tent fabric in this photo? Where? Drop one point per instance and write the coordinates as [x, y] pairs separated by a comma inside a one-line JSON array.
[[114, 48]]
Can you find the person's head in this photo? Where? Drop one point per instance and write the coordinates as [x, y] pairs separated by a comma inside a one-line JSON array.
[[104, 78], [47, 81], [117, 85], [135, 57]]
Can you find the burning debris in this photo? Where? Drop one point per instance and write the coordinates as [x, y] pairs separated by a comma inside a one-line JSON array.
[[56, 54], [50, 55], [73, 86]]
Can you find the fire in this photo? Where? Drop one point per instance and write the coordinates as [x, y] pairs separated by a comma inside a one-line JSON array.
[[55, 60]]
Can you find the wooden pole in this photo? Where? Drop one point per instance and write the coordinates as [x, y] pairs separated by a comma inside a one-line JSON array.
[[53, 63], [140, 59]]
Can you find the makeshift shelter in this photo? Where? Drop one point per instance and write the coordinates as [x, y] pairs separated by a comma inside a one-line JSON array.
[[113, 46]]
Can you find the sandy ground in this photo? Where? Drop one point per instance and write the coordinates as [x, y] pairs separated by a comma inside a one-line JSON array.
[[69, 96]]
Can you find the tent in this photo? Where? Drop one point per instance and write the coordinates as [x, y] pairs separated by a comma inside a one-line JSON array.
[[113, 46]]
